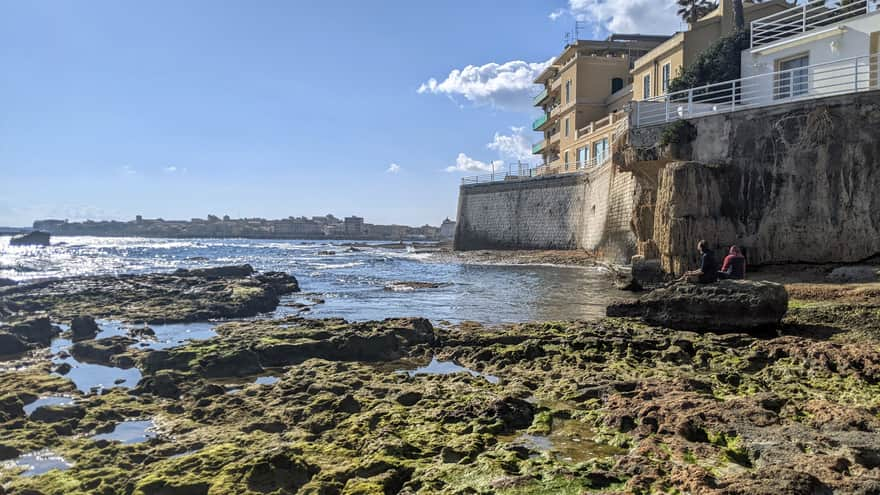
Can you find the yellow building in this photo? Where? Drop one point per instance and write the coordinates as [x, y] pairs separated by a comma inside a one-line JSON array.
[[652, 73], [589, 81]]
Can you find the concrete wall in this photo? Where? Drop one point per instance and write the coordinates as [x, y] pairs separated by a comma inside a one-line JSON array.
[[585, 210]]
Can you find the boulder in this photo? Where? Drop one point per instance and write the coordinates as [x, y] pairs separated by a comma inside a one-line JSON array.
[[35, 331], [103, 351], [10, 344], [283, 283], [55, 414], [83, 328], [729, 305], [35, 238], [853, 274]]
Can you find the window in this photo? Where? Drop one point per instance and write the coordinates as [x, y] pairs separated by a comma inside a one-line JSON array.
[[600, 151], [793, 77], [646, 87], [583, 156], [566, 160], [667, 76], [568, 91], [616, 85], [566, 127]]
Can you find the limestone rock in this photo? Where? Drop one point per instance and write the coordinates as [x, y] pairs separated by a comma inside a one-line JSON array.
[[10, 344], [55, 414], [729, 305], [83, 328], [852, 274], [35, 331], [102, 351]]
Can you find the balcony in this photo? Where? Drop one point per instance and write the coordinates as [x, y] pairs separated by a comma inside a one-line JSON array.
[[538, 147], [804, 18], [540, 97], [539, 122]]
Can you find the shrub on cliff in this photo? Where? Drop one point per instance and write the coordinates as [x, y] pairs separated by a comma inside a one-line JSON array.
[[718, 63]]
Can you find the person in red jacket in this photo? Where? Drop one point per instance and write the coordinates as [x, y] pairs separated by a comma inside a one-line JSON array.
[[734, 265]]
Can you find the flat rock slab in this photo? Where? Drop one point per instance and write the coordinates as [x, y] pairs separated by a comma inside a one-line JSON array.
[[728, 305]]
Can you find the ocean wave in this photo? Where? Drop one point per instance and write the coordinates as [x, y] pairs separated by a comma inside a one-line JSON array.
[[331, 266]]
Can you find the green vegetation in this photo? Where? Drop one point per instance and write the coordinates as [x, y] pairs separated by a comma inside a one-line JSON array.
[[718, 63]]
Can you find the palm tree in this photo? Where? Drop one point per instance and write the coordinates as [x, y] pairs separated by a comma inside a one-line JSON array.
[[739, 17], [692, 10]]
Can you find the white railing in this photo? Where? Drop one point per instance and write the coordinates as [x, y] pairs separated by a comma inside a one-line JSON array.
[[813, 81], [803, 18]]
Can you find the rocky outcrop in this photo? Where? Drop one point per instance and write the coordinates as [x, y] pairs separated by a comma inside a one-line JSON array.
[[853, 274], [83, 328], [729, 305], [10, 344], [38, 331], [792, 183], [182, 296], [35, 238]]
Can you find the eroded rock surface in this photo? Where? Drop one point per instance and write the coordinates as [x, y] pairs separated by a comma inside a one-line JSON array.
[[728, 305], [578, 407]]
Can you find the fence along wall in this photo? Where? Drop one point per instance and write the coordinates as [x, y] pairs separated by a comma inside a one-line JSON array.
[[586, 210]]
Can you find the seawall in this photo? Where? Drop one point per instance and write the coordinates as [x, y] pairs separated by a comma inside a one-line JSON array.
[[588, 210]]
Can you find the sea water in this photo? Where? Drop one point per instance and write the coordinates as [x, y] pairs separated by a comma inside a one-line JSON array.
[[350, 283]]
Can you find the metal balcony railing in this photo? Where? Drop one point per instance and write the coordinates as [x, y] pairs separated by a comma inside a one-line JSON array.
[[843, 76], [539, 122], [539, 146], [539, 97], [806, 17]]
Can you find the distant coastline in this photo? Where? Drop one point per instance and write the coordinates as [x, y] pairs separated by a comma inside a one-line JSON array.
[[326, 227]]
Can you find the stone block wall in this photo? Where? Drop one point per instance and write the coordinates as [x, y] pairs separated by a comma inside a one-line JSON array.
[[585, 210]]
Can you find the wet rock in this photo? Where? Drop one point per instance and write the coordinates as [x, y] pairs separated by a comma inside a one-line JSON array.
[[729, 305], [63, 368], [238, 362], [11, 407], [35, 238], [35, 331], [11, 344], [7, 282], [56, 414], [511, 413], [103, 351], [141, 332], [83, 328], [233, 271], [162, 384], [8, 452], [853, 274], [283, 283]]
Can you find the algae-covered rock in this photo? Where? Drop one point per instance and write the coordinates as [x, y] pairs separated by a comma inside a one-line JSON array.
[[728, 305]]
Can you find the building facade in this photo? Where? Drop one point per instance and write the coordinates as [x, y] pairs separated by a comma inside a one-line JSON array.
[[584, 85]]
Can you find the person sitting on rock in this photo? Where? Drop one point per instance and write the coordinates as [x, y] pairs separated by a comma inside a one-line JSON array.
[[734, 265], [708, 271]]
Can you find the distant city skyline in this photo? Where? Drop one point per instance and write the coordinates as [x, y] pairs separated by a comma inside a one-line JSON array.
[[113, 109]]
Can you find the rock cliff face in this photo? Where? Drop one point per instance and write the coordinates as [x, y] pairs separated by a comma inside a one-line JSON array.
[[790, 183]]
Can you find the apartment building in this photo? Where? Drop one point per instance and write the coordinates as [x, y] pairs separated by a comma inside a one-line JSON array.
[[589, 81], [652, 72]]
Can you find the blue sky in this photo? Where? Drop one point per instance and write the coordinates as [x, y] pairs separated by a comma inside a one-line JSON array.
[[178, 109]]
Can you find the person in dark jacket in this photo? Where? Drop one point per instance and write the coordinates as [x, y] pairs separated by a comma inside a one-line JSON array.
[[708, 271], [734, 265]]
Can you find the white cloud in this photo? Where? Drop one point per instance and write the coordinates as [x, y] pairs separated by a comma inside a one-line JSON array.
[[465, 163], [514, 146], [128, 170], [506, 86], [171, 169], [556, 14], [393, 168], [174, 170], [628, 16]]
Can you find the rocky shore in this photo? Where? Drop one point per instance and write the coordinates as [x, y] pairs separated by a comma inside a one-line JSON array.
[[294, 405]]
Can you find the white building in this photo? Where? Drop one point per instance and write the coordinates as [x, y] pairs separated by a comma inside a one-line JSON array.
[[812, 50]]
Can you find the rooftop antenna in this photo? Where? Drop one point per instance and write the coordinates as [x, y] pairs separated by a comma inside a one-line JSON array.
[[578, 25]]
